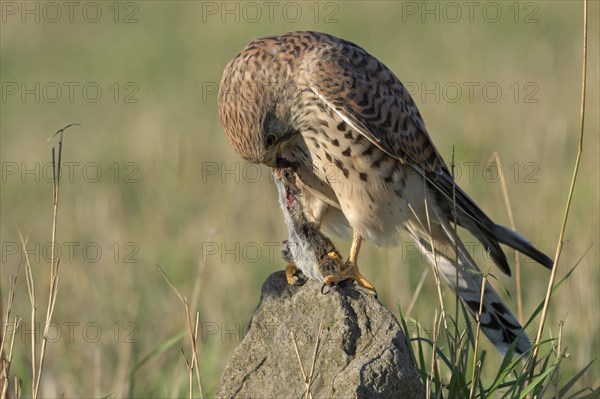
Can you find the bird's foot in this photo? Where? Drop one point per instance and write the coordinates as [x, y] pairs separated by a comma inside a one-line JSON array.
[[331, 263], [293, 275], [350, 272]]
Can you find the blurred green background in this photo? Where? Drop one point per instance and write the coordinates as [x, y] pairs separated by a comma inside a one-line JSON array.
[[152, 179]]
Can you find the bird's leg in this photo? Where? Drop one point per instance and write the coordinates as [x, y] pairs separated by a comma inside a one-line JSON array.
[[350, 271], [355, 249]]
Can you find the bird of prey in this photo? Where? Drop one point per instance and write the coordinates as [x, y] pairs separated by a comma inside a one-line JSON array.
[[364, 160]]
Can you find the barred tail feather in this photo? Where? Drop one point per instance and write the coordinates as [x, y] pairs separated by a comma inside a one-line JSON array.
[[498, 324]]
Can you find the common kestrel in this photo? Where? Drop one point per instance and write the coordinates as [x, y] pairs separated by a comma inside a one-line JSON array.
[[364, 160]]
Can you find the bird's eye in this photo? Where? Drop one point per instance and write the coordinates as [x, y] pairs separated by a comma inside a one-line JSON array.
[[270, 140]]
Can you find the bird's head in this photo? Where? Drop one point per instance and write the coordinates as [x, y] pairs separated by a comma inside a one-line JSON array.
[[254, 102]]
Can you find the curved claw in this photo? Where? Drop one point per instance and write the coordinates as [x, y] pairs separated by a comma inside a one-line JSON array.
[[293, 276], [350, 272]]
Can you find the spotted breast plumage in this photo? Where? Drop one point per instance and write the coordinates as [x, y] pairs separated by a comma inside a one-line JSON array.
[[363, 158]]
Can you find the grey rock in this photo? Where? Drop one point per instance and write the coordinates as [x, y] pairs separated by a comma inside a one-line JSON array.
[[361, 353]]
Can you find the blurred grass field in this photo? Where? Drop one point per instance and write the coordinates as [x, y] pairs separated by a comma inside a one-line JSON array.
[[154, 181]]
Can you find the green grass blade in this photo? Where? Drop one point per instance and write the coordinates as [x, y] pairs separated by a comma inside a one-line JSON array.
[[159, 349], [536, 382], [563, 391]]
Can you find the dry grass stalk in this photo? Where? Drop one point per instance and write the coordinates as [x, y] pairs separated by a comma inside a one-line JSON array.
[[18, 388], [561, 237], [54, 261], [192, 366], [31, 291], [436, 328], [5, 362], [438, 284], [308, 379], [36, 373], [477, 335], [37, 364], [420, 284], [298, 357], [314, 359], [456, 297], [560, 355], [2, 377], [511, 220], [436, 272]]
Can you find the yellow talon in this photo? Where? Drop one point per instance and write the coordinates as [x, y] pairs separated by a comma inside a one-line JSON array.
[[334, 255], [350, 268], [349, 272], [290, 274]]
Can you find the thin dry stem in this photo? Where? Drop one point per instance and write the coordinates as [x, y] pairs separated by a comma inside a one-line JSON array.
[[420, 284], [195, 355], [456, 342], [436, 328], [3, 381], [561, 237], [190, 368], [192, 330], [513, 226], [18, 387], [436, 272], [31, 291], [54, 261], [559, 354], [52, 302], [477, 335], [298, 356], [314, 359], [477, 373], [307, 379], [554, 377], [6, 365], [11, 296]]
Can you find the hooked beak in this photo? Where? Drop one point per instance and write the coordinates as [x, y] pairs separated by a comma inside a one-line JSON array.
[[281, 162], [275, 159]]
